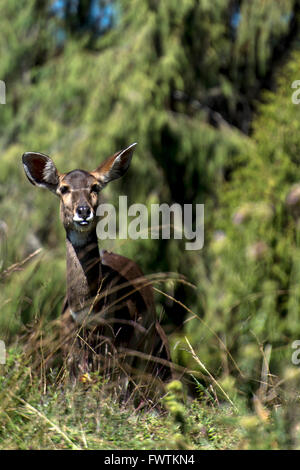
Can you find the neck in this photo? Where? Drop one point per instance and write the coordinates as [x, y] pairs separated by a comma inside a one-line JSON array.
[[83, 269]]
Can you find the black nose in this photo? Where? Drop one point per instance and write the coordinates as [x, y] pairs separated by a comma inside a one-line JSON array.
[[83, 211]]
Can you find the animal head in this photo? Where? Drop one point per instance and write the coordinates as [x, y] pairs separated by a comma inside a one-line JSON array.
[[78, 190]]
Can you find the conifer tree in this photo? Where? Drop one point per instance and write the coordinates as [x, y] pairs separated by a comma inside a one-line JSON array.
[[181, 79]]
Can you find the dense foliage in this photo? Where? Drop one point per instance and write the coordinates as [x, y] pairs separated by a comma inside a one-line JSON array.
[[183, 79]]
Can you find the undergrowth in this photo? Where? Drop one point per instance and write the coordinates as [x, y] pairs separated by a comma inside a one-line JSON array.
[[35, 415]]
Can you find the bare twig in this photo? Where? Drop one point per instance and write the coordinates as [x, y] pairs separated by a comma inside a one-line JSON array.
[[19, 265], [209, 374], [47, 420]]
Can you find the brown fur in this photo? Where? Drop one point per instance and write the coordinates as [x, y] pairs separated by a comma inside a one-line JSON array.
[[109, 318]]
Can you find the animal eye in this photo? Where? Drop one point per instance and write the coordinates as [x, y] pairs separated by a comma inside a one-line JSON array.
[[95, 188], [64, 189]]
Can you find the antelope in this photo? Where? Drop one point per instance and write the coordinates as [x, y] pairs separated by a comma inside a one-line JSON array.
[[109, 302]]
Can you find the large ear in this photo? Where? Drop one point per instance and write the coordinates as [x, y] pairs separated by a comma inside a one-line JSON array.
[[40, 170], [115, 166]]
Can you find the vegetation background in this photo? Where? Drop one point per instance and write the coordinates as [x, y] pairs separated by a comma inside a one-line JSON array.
[[205, 88]]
